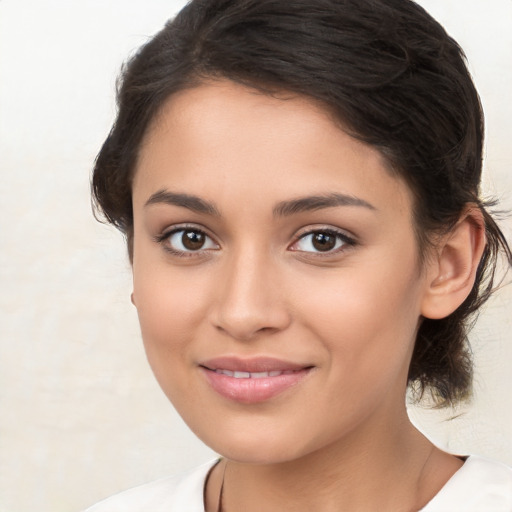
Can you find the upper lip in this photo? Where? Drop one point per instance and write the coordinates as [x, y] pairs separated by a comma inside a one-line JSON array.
[[251, 365]]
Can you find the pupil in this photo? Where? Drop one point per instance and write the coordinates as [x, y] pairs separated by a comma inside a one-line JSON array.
[[323, 241], [192, 240]]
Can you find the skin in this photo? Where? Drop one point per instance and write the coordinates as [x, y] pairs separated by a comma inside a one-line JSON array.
[[258, 287]]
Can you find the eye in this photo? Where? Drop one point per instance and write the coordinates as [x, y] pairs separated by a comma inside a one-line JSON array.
[[321, 241], [187, 240]]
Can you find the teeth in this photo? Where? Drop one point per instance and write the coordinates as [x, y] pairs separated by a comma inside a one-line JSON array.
[[252, 375], [259, 375], [229, 373], [242, 375]]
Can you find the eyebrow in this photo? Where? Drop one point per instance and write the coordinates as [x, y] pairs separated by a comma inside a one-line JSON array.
[[184, 200], [318, 202], [282, 209]]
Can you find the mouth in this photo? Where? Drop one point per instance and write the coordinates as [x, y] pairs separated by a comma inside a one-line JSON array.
[[253, 375], [251, 381]]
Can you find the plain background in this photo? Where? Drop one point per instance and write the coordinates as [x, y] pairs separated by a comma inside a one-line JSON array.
[[81, 415]]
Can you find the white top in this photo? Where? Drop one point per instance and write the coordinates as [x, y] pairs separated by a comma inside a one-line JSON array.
[[479, 485]]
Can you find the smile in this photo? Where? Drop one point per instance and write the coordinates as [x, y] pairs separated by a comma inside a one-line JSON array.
[[252, 381]]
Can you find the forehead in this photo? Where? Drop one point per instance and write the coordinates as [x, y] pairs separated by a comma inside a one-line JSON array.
[[221, 136]]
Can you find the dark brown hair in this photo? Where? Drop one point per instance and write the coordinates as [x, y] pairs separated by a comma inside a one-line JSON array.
[[385, 69]]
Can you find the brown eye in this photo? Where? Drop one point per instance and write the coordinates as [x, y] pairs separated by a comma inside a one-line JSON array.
[[192, 240], [323, 241], [188, 240]]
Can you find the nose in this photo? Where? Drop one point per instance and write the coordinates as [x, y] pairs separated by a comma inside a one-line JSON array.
[[250, 300]]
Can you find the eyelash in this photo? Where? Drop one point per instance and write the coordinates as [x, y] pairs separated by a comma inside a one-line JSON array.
[[164, 240]]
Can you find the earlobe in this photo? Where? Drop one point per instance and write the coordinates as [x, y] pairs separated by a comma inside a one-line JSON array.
[[452, 271], [132, 298]]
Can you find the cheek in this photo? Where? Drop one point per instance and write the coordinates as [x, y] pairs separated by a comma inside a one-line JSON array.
[[170, 306], [367, 321]]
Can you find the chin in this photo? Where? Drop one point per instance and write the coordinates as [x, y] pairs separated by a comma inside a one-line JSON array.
[[256, 446], [258, 454]]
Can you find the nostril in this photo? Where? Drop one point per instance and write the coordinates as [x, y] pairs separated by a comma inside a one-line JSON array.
[[246, 330]]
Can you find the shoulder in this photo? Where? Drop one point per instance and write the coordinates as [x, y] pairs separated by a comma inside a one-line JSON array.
[[480, 485], [182, 493]]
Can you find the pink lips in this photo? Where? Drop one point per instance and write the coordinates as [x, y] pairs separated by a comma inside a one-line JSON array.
[[252, 380]]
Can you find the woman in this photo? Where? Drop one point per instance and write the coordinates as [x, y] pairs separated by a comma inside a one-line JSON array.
[[298, 183]]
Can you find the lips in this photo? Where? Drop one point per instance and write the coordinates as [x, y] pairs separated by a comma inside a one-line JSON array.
[[252, 380]]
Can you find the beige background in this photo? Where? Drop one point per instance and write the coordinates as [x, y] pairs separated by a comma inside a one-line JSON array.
[[81, 416]]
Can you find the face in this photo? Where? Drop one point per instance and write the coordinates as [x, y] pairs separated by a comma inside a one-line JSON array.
[[276, 273]]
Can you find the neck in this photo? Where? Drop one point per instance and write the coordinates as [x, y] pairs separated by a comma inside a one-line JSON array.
[[382, 469]]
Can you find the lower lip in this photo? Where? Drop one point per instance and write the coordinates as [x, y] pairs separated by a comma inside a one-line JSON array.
[[252, 391]]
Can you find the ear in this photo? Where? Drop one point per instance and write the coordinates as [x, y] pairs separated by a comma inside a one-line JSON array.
[[452, 269], [132, 298]]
